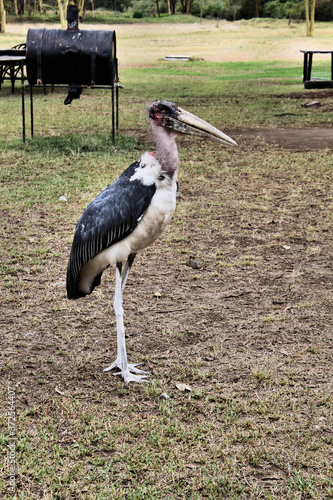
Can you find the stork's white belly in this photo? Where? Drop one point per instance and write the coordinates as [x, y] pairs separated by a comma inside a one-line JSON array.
[[150, 227]]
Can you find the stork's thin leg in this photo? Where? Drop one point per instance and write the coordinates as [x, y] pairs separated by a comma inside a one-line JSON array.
[[127, 269], [129, 372], [124, 277]]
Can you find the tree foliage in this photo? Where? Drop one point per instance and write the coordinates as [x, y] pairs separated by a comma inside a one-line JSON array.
[[223, 9]]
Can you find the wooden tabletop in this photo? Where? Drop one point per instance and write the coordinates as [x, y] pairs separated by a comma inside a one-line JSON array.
[[11, 58], [317, 51]]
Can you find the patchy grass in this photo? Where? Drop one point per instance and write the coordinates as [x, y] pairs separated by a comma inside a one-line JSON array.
[[250, 330]]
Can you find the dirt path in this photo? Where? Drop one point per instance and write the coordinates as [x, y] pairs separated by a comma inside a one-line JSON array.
[[297, 139], [215, 42]]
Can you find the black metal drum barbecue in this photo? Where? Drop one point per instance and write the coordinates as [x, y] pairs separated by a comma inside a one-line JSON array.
[[73, 58], [83, 57]]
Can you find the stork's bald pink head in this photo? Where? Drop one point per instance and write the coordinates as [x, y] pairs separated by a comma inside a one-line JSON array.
[[167, 115]]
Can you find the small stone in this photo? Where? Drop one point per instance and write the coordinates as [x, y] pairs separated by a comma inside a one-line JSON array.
[[62, 198], [311, 104], [177, 58], [195, 264], [184, 388], [286, 247], [164, 396]]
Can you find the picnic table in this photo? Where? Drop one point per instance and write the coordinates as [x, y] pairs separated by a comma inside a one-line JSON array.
[[315, 83], [12, 62]]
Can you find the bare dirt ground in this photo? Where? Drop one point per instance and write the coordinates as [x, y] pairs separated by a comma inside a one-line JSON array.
[[305, 139], [241, 282], [209, 297]]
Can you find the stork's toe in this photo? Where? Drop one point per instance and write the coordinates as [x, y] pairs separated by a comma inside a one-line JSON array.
[[130, 377], [133, 369], [129, 374]]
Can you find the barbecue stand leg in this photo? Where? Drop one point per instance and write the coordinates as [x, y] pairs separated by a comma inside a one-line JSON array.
[[23, 113], [112, 99], [117, 95], [31, 112]]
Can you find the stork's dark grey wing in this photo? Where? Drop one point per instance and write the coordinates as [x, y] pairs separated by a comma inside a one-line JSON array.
[[109, 218]]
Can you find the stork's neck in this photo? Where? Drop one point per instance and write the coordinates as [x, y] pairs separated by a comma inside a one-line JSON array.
[[166, 148]]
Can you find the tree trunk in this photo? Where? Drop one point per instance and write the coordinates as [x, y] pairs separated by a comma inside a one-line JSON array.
[[21, 7], [309, 17], [2, 17], [307, 20], [257, 8], [152, 8], [80, 6], [169, 10], [62, 14], [312, 16]]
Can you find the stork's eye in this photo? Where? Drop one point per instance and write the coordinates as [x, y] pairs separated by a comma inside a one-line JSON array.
[[163, 108]]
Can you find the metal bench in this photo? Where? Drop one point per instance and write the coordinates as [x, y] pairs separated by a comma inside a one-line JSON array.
[[12, 62], [307, 68]]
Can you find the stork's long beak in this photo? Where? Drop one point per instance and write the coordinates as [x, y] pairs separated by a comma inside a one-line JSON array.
[[187, 123]]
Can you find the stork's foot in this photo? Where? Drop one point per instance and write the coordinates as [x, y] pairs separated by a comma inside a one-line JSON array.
[[129, 374], [130, 377]]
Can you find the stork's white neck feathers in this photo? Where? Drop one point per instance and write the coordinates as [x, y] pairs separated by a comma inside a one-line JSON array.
[[166, 147]]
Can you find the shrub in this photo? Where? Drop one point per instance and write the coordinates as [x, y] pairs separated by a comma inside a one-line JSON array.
[[324, 10], [283, 10], [137, 14]]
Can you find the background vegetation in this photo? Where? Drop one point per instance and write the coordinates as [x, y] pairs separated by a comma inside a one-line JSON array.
[[138, 9]]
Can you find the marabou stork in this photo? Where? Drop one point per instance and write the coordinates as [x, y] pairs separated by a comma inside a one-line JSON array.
[[130, 214]]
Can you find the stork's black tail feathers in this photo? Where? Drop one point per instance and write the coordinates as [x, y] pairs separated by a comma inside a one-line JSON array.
[[73, 291]]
